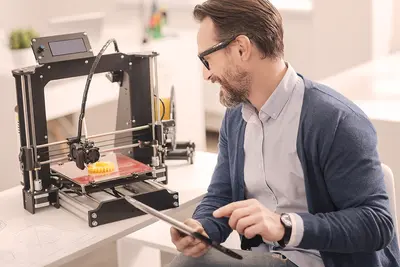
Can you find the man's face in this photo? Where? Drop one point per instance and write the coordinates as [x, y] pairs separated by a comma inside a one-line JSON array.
[[226, 67]]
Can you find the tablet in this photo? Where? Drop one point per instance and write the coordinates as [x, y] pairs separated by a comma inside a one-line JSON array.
[[181, 227]]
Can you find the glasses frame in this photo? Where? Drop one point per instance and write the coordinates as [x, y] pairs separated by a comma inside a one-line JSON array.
[[213, 49]]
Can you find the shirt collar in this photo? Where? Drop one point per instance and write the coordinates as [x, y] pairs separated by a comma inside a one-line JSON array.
[[248, 110], [277, 101]]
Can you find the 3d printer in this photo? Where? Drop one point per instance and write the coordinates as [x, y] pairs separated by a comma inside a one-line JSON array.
[[87, 180]]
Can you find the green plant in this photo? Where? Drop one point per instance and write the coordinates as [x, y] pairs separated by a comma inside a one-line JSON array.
[[21, 38]]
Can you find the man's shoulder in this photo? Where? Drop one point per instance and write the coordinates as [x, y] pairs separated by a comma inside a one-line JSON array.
[[327, 116], [322, 103]]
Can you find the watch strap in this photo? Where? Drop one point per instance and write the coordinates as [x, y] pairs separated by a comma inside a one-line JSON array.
[[288, 232]]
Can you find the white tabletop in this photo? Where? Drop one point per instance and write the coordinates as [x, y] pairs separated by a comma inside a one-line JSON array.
[[52, 236], [373, 86]]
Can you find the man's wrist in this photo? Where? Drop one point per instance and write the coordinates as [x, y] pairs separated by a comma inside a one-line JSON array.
[[286, 222], [281, 231]]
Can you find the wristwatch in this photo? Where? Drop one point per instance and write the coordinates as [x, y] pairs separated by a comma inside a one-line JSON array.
[[287, 224]]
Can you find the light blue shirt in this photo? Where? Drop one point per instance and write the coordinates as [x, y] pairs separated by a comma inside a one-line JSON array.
[[272, 170]]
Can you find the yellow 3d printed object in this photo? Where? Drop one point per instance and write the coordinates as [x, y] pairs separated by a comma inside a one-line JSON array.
[[101, 167]]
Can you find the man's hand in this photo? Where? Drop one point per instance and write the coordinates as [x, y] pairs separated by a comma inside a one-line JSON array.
[[188, 245], [251, 218]]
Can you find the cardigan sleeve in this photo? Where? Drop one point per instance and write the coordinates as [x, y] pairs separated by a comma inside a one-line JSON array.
[[354, 178], [219, 193]]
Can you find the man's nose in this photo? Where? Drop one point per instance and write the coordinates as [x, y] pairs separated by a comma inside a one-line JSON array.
[[206, 74]]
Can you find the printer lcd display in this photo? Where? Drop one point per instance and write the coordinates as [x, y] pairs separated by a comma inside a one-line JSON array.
[[65, 47]]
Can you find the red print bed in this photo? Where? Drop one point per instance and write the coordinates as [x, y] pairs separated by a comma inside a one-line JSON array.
[[123, 167]]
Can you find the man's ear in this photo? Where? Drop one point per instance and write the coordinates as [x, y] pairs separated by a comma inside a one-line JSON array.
[[244, 47]]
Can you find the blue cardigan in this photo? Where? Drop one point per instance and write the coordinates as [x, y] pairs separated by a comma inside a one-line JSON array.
[[349, 220]]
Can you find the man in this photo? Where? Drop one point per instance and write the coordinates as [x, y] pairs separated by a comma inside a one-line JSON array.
[[298, 174]]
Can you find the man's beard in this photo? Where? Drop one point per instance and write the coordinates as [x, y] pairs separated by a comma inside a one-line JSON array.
[[235, 87]]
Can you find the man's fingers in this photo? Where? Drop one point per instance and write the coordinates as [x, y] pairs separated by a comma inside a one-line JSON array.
[[201, 253], [227, 210], [188, 244], [195, 251], [246, 222], [184, 243], [175, 235], [195, 242], [239, 214], [193, 224], [253, 230]]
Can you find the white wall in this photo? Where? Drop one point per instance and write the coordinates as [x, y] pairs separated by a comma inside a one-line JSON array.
[[382, 26], [342, 35], [348, 33], [18, 13], [396, 26], [24, 13], [67, 8], [9, 141]]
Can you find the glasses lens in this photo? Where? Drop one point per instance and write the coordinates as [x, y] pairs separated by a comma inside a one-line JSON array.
[[205, 62]]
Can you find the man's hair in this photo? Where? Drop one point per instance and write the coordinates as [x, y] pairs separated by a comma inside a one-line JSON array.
[[257, 19]]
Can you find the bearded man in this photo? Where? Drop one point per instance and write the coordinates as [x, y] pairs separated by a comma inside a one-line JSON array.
[[298, 174]]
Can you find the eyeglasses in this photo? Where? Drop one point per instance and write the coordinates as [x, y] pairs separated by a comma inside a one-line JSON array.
[[213, 49]]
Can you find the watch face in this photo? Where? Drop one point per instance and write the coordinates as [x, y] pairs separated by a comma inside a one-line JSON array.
[[286, 220]]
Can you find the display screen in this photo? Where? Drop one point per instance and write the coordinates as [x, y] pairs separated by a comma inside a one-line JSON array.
[[66, 47]]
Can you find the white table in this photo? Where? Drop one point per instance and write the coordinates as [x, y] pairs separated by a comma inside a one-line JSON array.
[[53, 237]]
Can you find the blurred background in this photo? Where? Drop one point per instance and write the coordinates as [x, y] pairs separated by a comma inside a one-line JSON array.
[[350, 45]]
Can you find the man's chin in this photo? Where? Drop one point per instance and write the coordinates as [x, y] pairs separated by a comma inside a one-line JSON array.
[[222, 100], [225, 99], [226, 103]]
